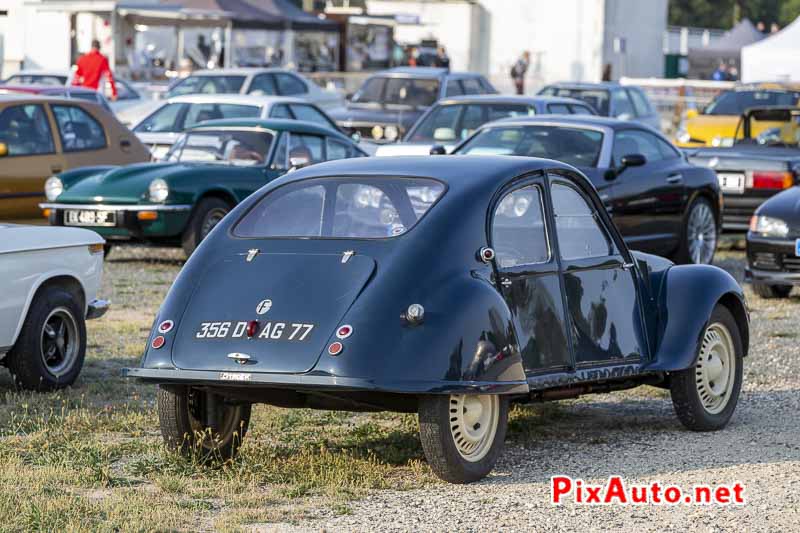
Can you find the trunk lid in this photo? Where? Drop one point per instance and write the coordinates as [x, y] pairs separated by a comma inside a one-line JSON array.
[[297, 299]]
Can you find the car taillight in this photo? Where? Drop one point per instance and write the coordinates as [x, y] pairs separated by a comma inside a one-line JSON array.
[[772, 179], [754, 223]]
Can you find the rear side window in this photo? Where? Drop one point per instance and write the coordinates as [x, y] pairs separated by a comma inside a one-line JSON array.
[[202, 112], [518, 234], [165, 119], [289, 85], [472, 86], [453, 88], [354, 208], [281, 111], [581, 110], [25, 130], [262, 85], [559, 109], [79, 131], [580, 235], [640, 103], [311, 114]]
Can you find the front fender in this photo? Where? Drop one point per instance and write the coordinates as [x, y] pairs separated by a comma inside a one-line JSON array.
[[686, 298]]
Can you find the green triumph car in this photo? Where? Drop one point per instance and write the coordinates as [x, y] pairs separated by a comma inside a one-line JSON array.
[[178, 201]]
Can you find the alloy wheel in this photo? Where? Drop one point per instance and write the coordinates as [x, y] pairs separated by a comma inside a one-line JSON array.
[[60, 341], [701, 233]]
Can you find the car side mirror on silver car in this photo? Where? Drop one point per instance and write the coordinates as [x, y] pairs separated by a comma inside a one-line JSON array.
[[438, 149]]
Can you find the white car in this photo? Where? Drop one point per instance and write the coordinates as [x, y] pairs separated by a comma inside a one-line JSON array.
[[51, 277], [161, 128], [254, 81]]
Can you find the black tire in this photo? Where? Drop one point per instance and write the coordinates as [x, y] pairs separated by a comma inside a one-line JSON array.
[[49, 358], [183, 416], [772, 291], [683, 255], [205, 217], [685, 385], [439, 444], [107, 250]]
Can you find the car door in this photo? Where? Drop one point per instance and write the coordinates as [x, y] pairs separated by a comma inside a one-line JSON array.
[[647, 201], [600, 284], [84, 140], [31, 157], [527, 267]]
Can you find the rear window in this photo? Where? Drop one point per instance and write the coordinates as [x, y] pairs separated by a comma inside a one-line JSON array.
[[597, 98], [207, 85], [343, 208], [735, 102]]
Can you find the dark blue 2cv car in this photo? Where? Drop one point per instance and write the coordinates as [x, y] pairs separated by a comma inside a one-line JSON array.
[[448, 286]]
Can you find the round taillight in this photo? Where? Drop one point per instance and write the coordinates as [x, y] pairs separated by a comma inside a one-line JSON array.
[[335, 348], [166, 326], [486, 254], [344, 331], [252, 328], [158, 342]]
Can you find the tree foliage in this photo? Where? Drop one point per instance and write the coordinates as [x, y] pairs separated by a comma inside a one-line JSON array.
[[724, 14]]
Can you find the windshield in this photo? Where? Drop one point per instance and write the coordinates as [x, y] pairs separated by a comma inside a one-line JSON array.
[[240, 148], [456, 122], [597, 98], [358, 208], [735, 102], [412, 92], [207, 85], [575, 146], [771, 127]]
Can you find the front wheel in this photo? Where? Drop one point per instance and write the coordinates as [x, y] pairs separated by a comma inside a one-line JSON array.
[[208, 213], [772, 291], [198, 422], [463, 434], [705, 395], [699, 236]]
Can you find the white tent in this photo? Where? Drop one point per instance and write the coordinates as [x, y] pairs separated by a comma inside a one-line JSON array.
[[776, 58]]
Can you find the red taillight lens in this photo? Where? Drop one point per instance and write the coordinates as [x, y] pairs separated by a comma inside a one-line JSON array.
[[252, 328], [158, 342], [772, 179], [335, 348]]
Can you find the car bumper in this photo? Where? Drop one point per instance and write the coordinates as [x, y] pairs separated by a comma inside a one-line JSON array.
[[97, 308], [311, 382], [739, 208], [169, 220]]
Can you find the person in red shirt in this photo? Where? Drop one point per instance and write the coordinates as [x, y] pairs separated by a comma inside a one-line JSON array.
[[92, 66]]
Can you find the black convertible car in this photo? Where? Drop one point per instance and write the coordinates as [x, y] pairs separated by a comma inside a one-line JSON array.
[[447, 286], [661, 203], [773, 246]]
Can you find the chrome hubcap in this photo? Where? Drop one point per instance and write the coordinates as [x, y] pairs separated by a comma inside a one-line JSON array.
[[212, 219], [473, 424], [60, 341], [716, 368], [701, 233]]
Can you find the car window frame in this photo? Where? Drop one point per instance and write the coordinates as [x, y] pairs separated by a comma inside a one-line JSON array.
[[51, 124], [267, 75], [106, 143], [537, 181], [298, 79], [644, 131], [615, 251]]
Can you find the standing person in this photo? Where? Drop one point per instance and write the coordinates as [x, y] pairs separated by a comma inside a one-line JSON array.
[[721, 74], [519, 70], [91, 67], [442, 58]]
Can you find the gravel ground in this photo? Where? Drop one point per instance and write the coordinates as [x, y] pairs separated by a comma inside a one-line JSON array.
[[636, 435]]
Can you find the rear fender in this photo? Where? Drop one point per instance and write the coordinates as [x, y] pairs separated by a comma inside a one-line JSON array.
[[686, 297]]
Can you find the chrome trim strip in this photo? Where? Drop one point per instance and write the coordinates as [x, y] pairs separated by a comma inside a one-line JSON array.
[[128, 207]]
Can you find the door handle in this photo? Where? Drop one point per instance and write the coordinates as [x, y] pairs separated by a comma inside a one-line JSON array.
[[675, 178], [505, 282], [125, 145], [627, 266]]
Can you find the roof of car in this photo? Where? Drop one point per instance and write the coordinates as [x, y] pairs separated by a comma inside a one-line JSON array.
[[577, 120], [240, 71], [297, 126], [508, 99], [458, 172], [22, 97], [242, 99], [585, 85], [43, 89], [425, 72]]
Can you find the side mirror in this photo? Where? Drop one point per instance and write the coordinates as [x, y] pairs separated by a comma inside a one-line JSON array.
[[3, 149], [438, 149], [630, 160], [299, 162], [692, 113]]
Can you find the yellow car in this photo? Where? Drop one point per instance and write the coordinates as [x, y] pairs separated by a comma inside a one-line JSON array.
[[41, 136], [716, 125]]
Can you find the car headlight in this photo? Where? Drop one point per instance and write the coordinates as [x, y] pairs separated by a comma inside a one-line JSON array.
[[769, 226], [377, 132], [683, 136], [391, 133], [53, 188], [158, 190]]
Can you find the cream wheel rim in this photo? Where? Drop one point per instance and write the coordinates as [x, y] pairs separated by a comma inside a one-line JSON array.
[[715, 371], [473, 424]]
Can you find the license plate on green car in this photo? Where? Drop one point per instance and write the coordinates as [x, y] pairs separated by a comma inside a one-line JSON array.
[[74, 217]]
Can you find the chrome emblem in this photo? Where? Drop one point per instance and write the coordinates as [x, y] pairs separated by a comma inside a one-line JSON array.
[[347, 255], [234, 376], [714, 161], [263, 306], [240, 358], [251, 254]]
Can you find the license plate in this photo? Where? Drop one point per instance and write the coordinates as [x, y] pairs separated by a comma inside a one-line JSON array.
[[797, 247], [274, 331], [90, 218], [731, 182]]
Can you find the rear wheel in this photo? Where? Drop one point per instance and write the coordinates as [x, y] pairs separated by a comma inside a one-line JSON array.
[[462, 435], [705, 395], [208, 213], [198, 422], [699, 240], [772, 291], [51, 347]]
